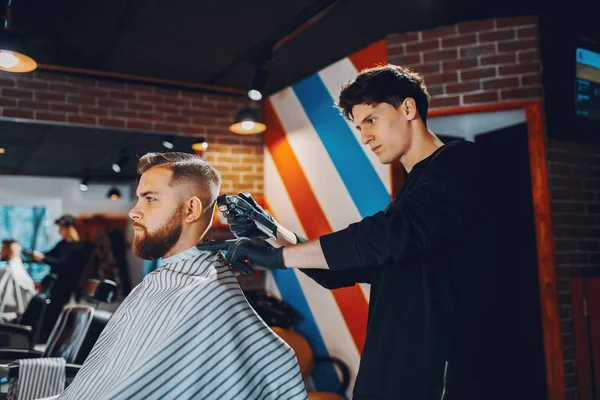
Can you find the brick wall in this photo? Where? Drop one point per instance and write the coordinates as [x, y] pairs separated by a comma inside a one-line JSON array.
[[67, 99], [574, 173], [470, 63]]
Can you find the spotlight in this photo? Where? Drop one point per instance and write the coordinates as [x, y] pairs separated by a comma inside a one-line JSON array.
[[114, 193], [255, 94], [118, 166], [2, 151], [83, 186], [258, 83], [168, 142]]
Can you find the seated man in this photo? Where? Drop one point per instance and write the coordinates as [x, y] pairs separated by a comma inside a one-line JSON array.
[[16, 286], [186, 331]]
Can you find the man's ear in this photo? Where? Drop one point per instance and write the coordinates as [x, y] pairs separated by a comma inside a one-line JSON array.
[[193, 209], [409, 109]]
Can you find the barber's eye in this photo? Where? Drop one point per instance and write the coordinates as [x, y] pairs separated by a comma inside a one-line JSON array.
[[371, 120], [150, 199]]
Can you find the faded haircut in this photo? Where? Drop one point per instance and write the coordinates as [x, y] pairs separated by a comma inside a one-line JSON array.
[[187, 169]]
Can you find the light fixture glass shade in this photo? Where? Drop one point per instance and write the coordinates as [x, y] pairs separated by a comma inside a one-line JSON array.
[[247, 122], [13, 57]]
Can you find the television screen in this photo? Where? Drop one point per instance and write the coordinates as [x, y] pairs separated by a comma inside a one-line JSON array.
[[587, 84]]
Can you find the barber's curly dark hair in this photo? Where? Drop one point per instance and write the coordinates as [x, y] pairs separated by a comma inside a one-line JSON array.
[[390, 84]]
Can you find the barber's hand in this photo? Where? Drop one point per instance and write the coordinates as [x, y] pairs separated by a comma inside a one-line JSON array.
[[38, 256], [244, 252], [244, 227]]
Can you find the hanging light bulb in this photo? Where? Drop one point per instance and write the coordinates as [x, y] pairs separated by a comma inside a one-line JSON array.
[[247, 122], [13, 47], [114, 193]]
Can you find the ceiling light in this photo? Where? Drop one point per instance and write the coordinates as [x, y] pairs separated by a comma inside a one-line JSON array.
[[255, 94], [2, 151], [116, 167], [114, 193], [247, 122], [200, 145], [168, 142], [83, 186], [13, 48]]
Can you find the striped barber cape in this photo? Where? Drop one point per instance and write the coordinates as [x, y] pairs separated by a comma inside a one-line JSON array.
[[187, 332]]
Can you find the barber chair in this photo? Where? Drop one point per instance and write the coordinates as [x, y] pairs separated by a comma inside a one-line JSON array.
[[307, 361], [25, 333], [99, 291]]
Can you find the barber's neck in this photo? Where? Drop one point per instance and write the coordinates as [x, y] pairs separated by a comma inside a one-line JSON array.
[[424, 143]]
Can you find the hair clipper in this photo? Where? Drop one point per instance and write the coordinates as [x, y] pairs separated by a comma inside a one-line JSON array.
[[235, 206]]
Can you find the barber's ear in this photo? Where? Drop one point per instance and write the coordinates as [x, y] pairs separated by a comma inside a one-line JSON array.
[[409, 108], [193, 209]]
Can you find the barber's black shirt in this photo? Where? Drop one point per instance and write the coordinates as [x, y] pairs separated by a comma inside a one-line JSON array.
[[423, 256]]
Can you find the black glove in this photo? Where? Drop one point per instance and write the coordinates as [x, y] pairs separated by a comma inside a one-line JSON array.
[[245, 252], [245, 227]]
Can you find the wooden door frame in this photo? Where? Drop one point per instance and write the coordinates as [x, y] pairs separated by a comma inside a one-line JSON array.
[[543, 231]]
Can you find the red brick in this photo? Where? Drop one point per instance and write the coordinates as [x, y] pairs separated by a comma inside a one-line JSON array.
[[8, 102], [488, 97], [528, 56], [167, 109], [528, 32], [48, 96], [406, 60], [7, 82], [517, 45], [93, 92], [152, 116], [33, 105], [463, 40], [157, 126], [75, 99], [494, 36], [192, 130], [444, 77], [395, 50], [17, 94], [120, 105], [149, 98], [17, 113], [46, 116], [477, 73], [516, 21], [436, 90], [63, 88], [453, 65], [202, 121], [464, 87], [115, 123], [500, 83], [440, 32], [521, 93], [123, 114], [441, 102], [140, 106], [181, 102], [475, 51], [440, 55], [121, 95], [138, 124], [498, 59], [397, 38], [423, 46], [80, 81], [66, 108], [178, 119], [518, 69], [79, 119], [95, 111], [430, 68], [33, 85], [476, 26], [533, 79]]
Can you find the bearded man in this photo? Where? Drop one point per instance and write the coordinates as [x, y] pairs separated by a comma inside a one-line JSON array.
[[186, 331]]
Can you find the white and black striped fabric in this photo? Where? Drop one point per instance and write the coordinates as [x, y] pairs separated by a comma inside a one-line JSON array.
[[38, 377], [188, 332]]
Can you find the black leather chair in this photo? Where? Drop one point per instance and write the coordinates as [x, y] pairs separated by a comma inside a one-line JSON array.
[[99, 291], [72, 338]]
